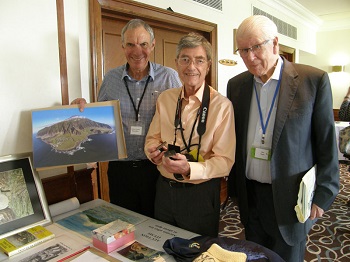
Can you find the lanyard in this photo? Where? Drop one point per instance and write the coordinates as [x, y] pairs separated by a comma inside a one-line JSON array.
[[202, 113], [132, 101], [264, 126]]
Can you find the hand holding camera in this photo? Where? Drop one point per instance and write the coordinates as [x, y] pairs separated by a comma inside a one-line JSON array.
[[177, 167]]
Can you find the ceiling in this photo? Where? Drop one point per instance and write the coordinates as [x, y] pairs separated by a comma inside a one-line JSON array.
[[333, 13]]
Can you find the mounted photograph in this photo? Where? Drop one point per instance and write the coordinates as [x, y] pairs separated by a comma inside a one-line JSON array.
[[65, 136], [23, 203]]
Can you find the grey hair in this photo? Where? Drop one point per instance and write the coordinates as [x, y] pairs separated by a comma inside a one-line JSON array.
[[135, 23], [257, 24], [193, 40]]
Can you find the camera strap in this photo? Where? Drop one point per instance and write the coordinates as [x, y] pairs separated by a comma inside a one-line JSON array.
[[202, 113]]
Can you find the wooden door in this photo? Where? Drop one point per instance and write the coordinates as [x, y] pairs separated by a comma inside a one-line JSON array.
[[108, 17]]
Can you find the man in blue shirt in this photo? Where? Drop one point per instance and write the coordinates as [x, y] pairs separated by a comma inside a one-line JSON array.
[[137, 84]]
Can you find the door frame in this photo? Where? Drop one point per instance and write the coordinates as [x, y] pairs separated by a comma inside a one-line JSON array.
[[150, 14]]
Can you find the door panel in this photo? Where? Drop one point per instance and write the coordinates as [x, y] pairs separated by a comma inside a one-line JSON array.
[[113, 54], [169, 54], [166, 42]]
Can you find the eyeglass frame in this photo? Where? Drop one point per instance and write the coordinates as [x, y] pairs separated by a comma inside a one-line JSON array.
[[194, 61], [253, 49]]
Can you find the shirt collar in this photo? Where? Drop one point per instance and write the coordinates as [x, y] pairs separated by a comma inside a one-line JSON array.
[[276, 72], [198, 94], [150, 72]]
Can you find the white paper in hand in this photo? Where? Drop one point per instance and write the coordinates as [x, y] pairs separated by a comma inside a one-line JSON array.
[[305, 196]]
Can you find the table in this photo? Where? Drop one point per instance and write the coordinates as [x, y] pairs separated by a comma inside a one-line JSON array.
[[149, 232]]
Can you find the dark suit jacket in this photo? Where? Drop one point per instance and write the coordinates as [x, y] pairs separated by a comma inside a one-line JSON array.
[[303, 135]]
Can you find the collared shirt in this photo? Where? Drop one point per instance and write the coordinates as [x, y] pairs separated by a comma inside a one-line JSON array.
[[258, 169], [218, 142], [114, 88]]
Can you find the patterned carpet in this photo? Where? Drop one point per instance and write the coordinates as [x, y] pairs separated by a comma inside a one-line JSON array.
[[328, 240]]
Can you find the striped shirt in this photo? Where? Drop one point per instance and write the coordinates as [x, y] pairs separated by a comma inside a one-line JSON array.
[[114, 88]]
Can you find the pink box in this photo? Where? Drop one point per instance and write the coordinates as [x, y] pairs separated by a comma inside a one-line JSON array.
[[113, 245]]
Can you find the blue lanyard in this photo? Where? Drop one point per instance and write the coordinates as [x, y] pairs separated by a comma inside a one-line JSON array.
[[264, 126]]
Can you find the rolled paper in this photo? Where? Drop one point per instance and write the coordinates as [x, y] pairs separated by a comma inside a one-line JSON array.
[[64, 206]]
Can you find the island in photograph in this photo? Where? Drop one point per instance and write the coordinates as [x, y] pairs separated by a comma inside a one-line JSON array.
[[67, 136], [64, 136]]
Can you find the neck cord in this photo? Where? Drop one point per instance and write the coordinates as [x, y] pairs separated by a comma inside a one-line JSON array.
[[202, 113], [264, 126], [132, 101]]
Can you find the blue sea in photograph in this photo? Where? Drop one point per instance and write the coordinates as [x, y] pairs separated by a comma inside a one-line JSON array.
[[102, 147]]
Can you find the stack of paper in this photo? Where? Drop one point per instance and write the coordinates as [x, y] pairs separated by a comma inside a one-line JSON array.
[[305, 196]]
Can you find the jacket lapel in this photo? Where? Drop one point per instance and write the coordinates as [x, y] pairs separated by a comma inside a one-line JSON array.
[[246, 97], [288, 88]]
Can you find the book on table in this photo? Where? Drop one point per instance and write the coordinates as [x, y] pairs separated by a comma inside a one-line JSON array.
[[25, 240]]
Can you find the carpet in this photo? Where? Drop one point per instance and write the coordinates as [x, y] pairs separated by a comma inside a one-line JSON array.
[[329, 238]]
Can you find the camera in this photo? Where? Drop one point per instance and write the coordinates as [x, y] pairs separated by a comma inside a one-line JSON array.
[[172, 150]]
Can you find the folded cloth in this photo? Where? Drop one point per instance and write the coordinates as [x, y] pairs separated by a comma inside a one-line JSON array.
[[217, 254], [186, 250]]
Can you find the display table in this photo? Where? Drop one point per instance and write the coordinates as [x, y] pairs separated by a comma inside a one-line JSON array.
[[73, 241], [149, 232], [339, 125]]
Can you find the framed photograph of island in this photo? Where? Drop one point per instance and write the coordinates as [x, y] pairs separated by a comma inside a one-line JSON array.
[[23, 203], [64, 136]]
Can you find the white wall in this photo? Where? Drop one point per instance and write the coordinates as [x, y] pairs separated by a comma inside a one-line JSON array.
[[29, 68], [333, 48], [29, 64]]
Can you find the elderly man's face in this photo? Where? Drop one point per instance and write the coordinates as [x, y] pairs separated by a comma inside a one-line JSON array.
[[137, 48], [192, 66], [259, 55]]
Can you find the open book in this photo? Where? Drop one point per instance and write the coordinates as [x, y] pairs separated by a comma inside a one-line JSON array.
[[305, 196]]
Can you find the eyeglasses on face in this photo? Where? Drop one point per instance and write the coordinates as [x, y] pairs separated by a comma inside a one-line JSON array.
[[186, 61], [255, 49]]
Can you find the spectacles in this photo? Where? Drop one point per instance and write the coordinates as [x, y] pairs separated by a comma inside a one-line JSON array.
[[255, 49], [186, 61]]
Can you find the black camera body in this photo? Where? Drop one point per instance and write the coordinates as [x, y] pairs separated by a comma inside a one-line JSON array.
[[172, 150]]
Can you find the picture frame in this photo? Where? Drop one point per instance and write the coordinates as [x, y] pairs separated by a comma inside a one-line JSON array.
[[64, 135], [234, 41], [23, 202]]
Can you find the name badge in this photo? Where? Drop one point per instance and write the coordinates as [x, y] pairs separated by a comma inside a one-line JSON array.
[[137, 128], [260, 153]]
